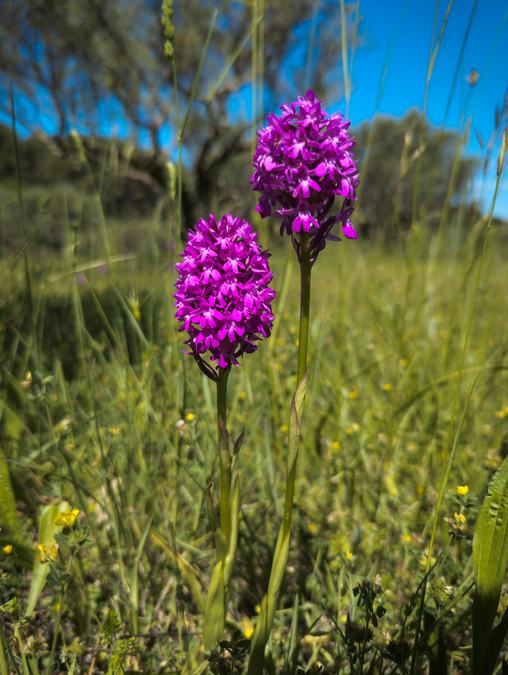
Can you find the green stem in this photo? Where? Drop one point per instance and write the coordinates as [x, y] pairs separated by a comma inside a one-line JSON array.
[[303, 337], [224, 456], [281, 553]]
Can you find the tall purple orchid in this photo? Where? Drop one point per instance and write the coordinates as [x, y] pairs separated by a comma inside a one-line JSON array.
[[305, 173], [224, 303], [303, 167]]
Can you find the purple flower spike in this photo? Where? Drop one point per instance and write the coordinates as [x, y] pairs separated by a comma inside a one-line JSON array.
[[302, 163], [222, 296]]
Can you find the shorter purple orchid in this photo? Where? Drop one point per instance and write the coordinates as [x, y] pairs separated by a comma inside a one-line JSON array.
[[303, 163], [223, 298]]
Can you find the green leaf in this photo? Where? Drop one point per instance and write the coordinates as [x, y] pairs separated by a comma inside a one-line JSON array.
[[215, 612], [229, 560], [280, 557], [8, 517], [490, 556], [48, 529]]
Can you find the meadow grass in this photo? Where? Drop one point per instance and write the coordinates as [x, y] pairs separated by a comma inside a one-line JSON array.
[[128, 437]]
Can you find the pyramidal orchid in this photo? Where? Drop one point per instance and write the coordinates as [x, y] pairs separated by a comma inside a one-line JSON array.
[[306, 174], [224, 304], [305, 171], [223, 298]]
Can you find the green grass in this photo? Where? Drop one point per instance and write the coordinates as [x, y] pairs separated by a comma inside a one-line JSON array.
[[128, 437]]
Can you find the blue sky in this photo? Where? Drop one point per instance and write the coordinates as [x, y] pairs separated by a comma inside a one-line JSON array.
[[405, 28]]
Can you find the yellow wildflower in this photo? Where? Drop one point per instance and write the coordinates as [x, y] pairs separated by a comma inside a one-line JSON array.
[[134, 306], [114, 431], [387, 386], [63, 425], [67, 518], [257, 608], [247, 627], [460, 519], [47, 553], [335, 445], [7, 549], [406, 538], [312, 528], [352, 429], [462, 490], [284, 428], [348, 555], [501, 414], [27, 381], [189, 417], [242, 395], [353, 393], [404, 363]]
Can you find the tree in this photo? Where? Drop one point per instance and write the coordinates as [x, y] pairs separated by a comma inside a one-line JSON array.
[[77, 63], [409, 170]]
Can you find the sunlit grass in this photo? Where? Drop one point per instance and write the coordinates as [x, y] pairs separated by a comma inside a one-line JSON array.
[[129, 439]]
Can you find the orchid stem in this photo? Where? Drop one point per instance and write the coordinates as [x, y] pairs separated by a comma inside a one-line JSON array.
[[281, 554], [305, 276], [224, 457]]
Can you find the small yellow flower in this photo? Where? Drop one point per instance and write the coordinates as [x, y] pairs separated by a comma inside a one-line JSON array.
[[27, 381], [257, 608], [58, 607], [406, 538], [63, 425], [353, 393], [387, 386], [335, 445], [312, 528], [134, 305], [67, 518], [189, 417], [352, 429], [47, 553], [343, 619], [7, 549], [404, 363], [501, 414], [247, 627], [460, 519], [348, 555], [242, 395], [462, 490], [284, 428], [115, 431]]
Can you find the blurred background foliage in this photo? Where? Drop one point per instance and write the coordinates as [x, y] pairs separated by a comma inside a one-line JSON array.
[[86, 65]]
